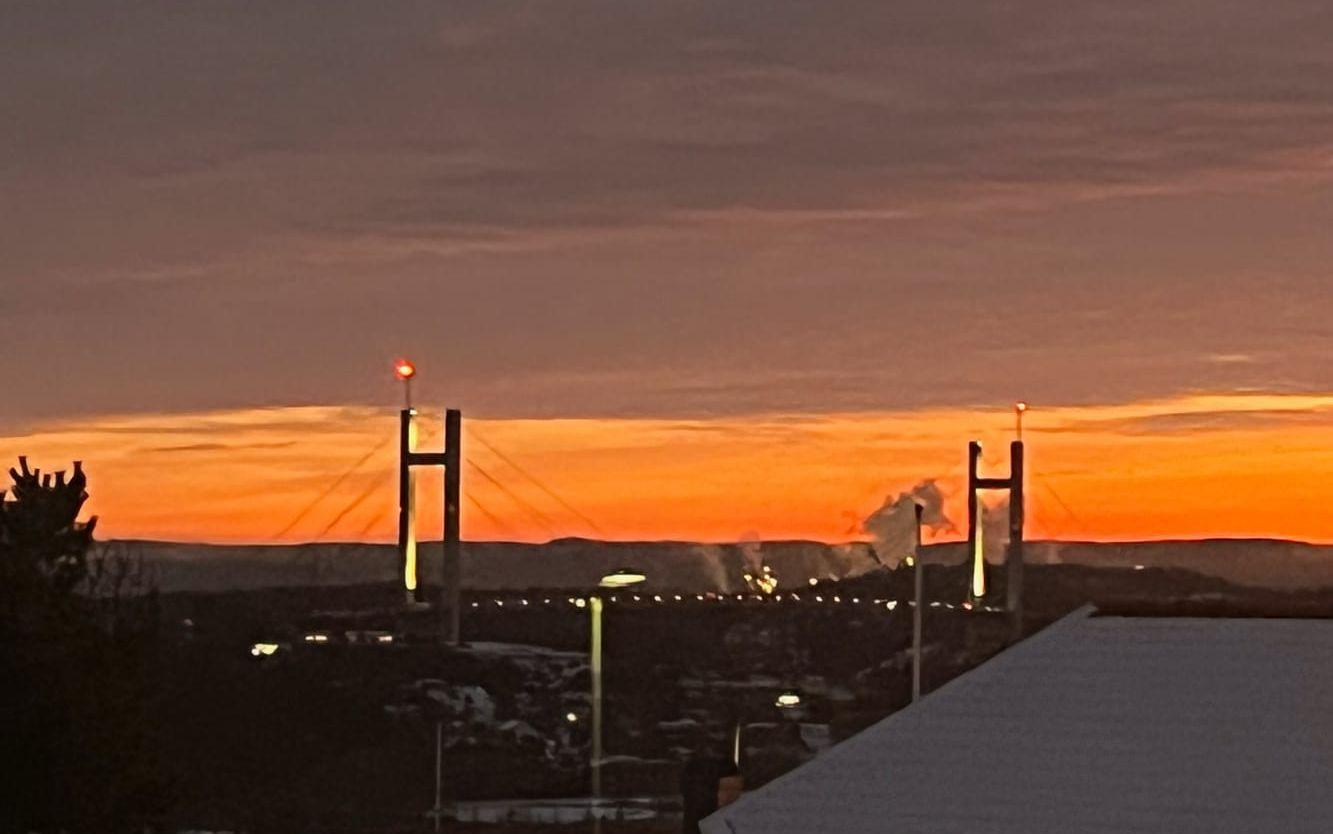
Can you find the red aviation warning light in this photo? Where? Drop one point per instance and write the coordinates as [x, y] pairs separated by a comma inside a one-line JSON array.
[[405, 371]]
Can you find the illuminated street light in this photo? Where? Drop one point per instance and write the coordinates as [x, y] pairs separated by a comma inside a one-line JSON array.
[[1020, 408], [623, 578], [786, 702]]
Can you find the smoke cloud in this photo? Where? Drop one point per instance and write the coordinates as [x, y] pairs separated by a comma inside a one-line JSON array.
[[752, 553], [893, 525], [713, 562]]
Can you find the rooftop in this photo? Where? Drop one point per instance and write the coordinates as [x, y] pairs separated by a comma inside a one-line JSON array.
[[1097, 724]]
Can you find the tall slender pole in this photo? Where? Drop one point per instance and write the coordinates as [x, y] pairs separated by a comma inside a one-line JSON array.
[[452, 569], [595, 661], [736, 744], [918, 594], [976, 547]]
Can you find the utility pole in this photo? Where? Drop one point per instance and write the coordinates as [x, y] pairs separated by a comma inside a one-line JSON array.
[[595, 663], [918, 594]]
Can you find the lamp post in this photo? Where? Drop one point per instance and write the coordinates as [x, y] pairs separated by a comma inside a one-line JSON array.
[[1020, 408], [918, 583], [623, 578], [786, 701]]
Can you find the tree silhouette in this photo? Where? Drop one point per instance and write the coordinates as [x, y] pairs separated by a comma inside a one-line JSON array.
[[43, 546], [77, 692]]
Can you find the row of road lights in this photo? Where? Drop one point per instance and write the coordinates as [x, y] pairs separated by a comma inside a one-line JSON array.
[[787, 700], [627, 578]]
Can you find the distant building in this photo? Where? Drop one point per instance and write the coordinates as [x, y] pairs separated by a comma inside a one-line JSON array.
[[1097, 724]]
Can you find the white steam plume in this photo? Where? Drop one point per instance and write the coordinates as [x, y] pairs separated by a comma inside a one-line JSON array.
[[893, 525]]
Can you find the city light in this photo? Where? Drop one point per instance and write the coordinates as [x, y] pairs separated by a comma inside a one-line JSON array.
[[263, 649], [517, 603], [787, 700], [404, 369], [622, 578]]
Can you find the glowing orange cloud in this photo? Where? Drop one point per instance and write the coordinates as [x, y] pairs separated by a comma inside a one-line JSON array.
[[1215, 465]]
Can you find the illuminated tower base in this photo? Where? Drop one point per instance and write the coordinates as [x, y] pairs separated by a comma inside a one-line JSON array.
[[977, 586]]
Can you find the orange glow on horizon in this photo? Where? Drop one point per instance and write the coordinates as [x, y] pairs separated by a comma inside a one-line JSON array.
[[1191, 467]]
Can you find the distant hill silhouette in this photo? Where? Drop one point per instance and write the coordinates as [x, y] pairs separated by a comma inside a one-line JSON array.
[[566, 563]]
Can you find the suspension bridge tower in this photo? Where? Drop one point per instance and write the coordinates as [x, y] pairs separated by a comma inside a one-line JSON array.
[[448, 607], [1013, 484]]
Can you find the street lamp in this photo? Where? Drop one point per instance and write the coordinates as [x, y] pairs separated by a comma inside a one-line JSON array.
[[623, 578], [918, 594], [1019, 408], [787, 702]]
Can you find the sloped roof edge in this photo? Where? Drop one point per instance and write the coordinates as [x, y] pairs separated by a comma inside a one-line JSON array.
[[718, 822]]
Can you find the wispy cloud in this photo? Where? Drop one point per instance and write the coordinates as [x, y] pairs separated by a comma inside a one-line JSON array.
[[720, 208]]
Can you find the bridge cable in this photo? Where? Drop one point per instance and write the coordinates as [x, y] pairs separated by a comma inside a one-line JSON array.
[[536, 482]]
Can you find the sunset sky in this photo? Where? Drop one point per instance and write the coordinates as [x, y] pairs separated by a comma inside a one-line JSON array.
[[704, 270]]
